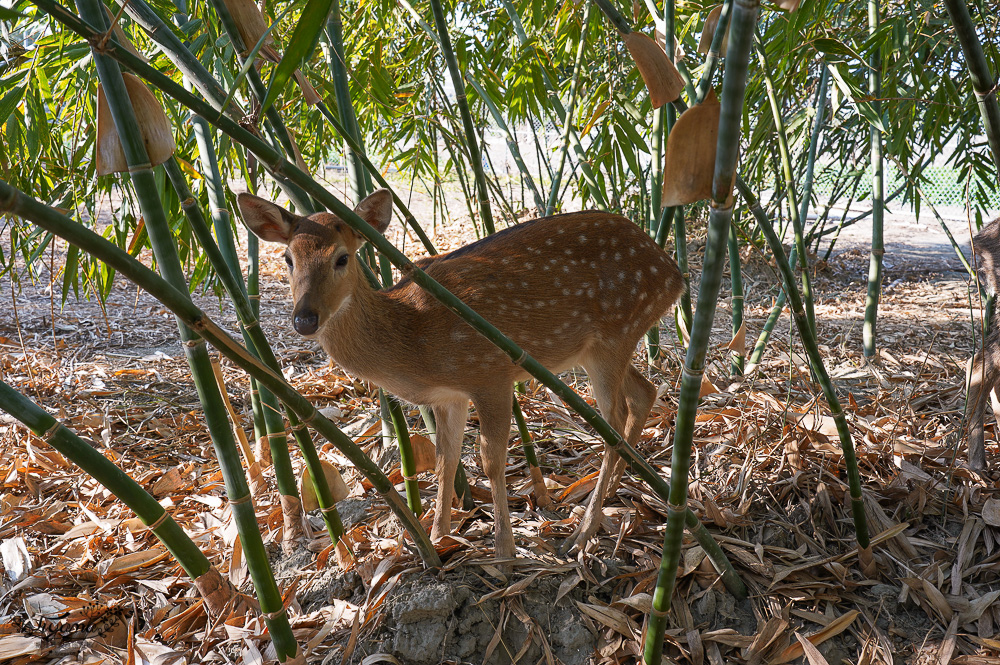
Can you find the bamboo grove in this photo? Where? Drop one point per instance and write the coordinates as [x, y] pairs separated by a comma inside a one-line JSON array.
[[816, 103]]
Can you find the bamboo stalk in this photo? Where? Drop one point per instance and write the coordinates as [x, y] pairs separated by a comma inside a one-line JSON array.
[[594, 189], [266, 153], [736, 281], [217, 591], [144, 184], [357, 174], [817, 366], [574, 91], [983, 81], [472, 140], [542, 498], [257, 344], [878, 192], [727, 154], [818, 121], [512, 145], [791, 190]]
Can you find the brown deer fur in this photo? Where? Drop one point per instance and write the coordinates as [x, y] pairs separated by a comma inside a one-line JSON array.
[[572, 290], [984, 372]]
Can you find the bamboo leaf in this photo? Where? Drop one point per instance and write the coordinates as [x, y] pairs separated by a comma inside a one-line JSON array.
[[7, 14], [10, 101], [300, 46], [832, 48], [850, 88]]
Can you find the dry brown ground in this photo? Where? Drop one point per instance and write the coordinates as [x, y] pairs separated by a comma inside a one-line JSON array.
[[768, 482]]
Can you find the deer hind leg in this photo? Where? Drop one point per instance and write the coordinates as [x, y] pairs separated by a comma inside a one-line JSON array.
[[494, 412], [983, 377], [450, 419], [607, 374]]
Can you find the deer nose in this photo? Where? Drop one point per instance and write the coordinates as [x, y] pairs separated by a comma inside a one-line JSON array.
[[306, 323]]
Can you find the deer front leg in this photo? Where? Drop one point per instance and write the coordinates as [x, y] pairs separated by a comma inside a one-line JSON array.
[[450, 420]]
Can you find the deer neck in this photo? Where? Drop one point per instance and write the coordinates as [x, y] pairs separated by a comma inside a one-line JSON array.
[[363, 335]]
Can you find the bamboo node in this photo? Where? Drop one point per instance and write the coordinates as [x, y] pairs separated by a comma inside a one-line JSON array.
[[275, 435], [520, 359], [254, 296], [51, 432], [252, 324], [246, 498], [660, 614], [409, 478], [159, 521], [192, 343], [694, 373]]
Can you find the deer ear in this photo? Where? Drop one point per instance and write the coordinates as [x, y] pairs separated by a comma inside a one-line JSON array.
[[267, 220], [376, 209]]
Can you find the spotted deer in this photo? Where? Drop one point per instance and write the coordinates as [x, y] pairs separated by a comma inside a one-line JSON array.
[[572, 290], [984, 369]]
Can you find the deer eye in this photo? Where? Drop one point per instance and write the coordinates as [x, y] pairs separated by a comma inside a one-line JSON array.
[[341, 261], [288, 261]]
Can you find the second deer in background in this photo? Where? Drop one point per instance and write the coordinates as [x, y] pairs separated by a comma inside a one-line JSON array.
[[572, 290], [984, 371]]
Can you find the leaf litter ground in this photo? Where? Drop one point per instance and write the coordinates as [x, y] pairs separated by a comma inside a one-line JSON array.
[[84, 581]]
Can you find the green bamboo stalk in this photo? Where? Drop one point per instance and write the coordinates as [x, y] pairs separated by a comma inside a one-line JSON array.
[[179, 302], [712, 57], [356, 172], [276, 125], [818, 121], [816, 364], [257, 344], [574, 91], [512, 145], [983, 81], [878, 191], [217, 591], [407, 460], [273, 158], [736, 279], [146, 190], [595, 190], [727, 154], [228, 269], [791, 190], [197, 74], [542, 498], [374, 172], [472, 140]]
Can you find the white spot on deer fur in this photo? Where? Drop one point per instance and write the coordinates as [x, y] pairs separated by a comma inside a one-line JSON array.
[[553, 261], [604, 255], [600, 242], [593, 264], [631, 251], [642, 295], [524, 284], [582, 238], [653, 269], [565, 292], [557, 282], [549, 241], [590, 293], [621, 276], [575, 313], [510, 285], [549, 342], [638, 275], [614, 241], [560, 230], [553, 301], [568, 252], [633, 291], [546, 267], [618, 256], [586, 318], [579, 292], [458, 334], [528, 265]]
